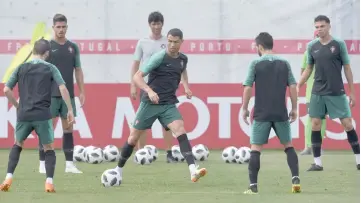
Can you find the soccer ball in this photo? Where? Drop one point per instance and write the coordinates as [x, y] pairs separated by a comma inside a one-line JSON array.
[[176, 153], [94, 155], [78, 154], [86, 149], [153, 151], [111, 153], [228, 154], [200, 152], [111, 177], [143, 157], [242, 155]]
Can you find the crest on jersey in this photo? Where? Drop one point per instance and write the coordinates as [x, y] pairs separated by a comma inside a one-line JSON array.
[[332, 49], [70, 49], [162, 46], [181, 63]]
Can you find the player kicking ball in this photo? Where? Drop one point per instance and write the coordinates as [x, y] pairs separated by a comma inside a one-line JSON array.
[[66, 57], [328, 55], [271, 75], [165, 70], [146, 47], [34, 80]]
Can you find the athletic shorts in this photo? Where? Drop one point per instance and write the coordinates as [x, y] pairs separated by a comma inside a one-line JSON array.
[[334, 106], [261, 130], [148, 113], [58, 107], [44, 130]]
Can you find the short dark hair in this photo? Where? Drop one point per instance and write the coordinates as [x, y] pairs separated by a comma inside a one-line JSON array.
[[320, 18], [41, 47], [175, 32], [156, 17], [59, 18], [265, 39]]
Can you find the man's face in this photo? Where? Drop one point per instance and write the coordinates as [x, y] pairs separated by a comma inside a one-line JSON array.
[[156, 27], [174, 44], [322, 28], [60, 29]]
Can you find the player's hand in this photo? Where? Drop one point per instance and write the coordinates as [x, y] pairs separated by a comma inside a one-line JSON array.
[[293, 116], [70, 117], [189, 93], [245, 115], [352, 100], [153, 97], [133, 92], [82, 99]]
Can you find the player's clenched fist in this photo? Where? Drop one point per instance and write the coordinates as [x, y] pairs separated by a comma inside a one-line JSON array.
[[245, 115], [189, 93], [153, 97]]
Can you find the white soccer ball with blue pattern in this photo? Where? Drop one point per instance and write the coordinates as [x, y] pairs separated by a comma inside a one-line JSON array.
[[111, 178], [111, 153], [200, 152], [94, 155], [86, 149], [78, 153], [143, 157], [242, 155], [153, 151], [176, 153], [228, 154]]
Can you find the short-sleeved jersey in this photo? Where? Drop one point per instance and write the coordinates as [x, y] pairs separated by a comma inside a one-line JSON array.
[[328, 61], [271, 75], [34, 80], [66, 57], [165, 73], [310, 79], [146, 47]]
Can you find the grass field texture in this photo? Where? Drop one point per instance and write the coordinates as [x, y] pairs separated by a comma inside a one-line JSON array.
[[164, 183]]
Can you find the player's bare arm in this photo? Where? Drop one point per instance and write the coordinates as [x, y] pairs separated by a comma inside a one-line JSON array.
[[13, 80], [138, 54], [247, 91], [139, 81], [305, 75], [186, 84], [79, 76], [348, 72], [10, 95], [292, 86]]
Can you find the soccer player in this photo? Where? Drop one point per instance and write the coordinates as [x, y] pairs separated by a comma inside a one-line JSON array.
[[308, 129], [34, 80], [65, 56], [146, 47], [271, 75], [328, 55], [165, 69]]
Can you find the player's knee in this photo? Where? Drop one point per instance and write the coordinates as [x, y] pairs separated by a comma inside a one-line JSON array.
[[257, 148], [48, 147], [134, 136], [288, 145], [316, 124], [177, 127], [20, 144], [347, 124]]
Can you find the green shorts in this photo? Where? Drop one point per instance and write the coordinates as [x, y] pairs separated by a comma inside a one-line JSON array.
[[334, 106], [147, 114], [261, 130], [44, 130], [58, 107]]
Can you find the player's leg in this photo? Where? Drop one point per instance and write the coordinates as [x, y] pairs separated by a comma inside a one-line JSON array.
[[143, 137], [168, 138], [171, 118], [259, 137], [339, 108], [55, 112], [317, 113], [68, 139], [45, 132], [144, 119], [283, 131], [22, 131], [308, 131]]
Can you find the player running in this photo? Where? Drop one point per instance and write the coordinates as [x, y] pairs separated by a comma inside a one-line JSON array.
[[271, 75], [308, 129], [328, 55], [34, 80], [146, 47], [65, 56], [165, 69]]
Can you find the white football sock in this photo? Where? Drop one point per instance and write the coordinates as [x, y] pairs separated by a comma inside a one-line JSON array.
[[9, 175], [357, 156], [69, 164], [49, 180], [192, 168], [318, 161], [42, 163]]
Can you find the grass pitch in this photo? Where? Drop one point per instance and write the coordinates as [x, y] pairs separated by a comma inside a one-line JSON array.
[[163, 183]]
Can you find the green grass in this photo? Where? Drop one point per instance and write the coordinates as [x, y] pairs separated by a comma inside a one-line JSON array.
[[164, 183]]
